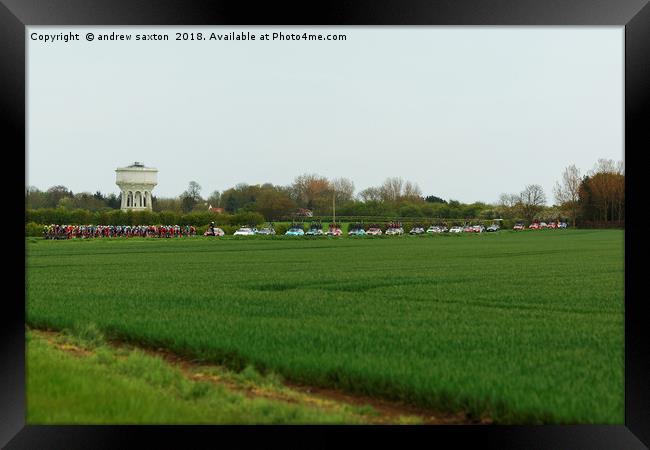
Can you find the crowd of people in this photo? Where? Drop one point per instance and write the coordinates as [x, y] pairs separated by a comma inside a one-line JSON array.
[[96, 231]]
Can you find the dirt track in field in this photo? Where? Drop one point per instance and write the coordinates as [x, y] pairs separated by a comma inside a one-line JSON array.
[[385, 411]]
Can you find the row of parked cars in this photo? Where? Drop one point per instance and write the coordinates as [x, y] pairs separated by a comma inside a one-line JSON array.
[[539, 225], [269, 230], [243, 231], [394, 228], [354, 230]]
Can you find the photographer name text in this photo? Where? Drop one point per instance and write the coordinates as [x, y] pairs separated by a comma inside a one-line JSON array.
[[233, 36]]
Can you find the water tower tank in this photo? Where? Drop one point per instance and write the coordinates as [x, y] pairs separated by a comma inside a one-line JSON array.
[[136, 183]]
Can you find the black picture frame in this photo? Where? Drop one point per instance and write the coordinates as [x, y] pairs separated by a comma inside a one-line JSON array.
[[634, 15]]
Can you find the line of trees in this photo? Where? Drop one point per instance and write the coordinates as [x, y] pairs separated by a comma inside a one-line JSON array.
[[595, 199], [61, 197]]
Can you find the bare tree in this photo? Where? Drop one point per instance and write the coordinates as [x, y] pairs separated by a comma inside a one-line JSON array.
[[412, 191], [391, 189], [214, 199], [607, 166], [309, 190], [371, 194], [508, 200], [607, 184], [191, 197], [343, 188], [567, 191], [532, 200], [507, 205]]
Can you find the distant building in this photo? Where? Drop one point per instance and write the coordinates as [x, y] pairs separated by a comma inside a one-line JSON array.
[[136, 183]]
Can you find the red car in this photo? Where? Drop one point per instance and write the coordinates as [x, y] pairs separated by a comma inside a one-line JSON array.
[[534, 226], [519, 226]]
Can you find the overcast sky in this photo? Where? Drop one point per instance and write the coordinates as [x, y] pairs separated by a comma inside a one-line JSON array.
[[466, 112]]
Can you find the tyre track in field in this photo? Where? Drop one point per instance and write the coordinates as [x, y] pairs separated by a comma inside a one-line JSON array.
[[387, 411]]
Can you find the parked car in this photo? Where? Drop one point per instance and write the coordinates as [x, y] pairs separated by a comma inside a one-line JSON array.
[[519, 226], [456, 230], [295, 231], [269, 230], [563, 225], [468, 229], [543, 225], [214, 232], [315, 229], [492, 228], [245, 231], [392, 231], [534, 226], [374, 231], [357, 232], [334, 230], [417, 230], [552, 225], [434, 229]]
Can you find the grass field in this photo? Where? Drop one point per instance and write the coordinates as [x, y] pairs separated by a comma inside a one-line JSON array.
[[519, 327]]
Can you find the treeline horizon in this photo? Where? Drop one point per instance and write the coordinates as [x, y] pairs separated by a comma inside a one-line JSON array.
[[596, 198]]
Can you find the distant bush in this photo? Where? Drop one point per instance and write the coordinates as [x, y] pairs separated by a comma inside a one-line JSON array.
[[281, 228], [246, 218], [229, 229], [34, 229]]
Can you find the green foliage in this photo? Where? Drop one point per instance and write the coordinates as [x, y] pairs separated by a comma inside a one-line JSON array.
[[84, 335], [281, 228], [33, 229], [246, 218], [523, 327], [434, 199], [410, 210], [229, 229]]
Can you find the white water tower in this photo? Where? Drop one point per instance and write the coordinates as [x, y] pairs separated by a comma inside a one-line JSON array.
[[136, 183]]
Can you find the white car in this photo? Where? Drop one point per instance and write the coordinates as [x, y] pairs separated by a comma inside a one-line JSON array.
[[374, 231], [434, 229], [245, 231], [215, 232], [417, 230], [394, 231], [456, 230]]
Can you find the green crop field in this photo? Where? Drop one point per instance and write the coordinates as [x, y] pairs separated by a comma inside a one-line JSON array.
[[518, 327]]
